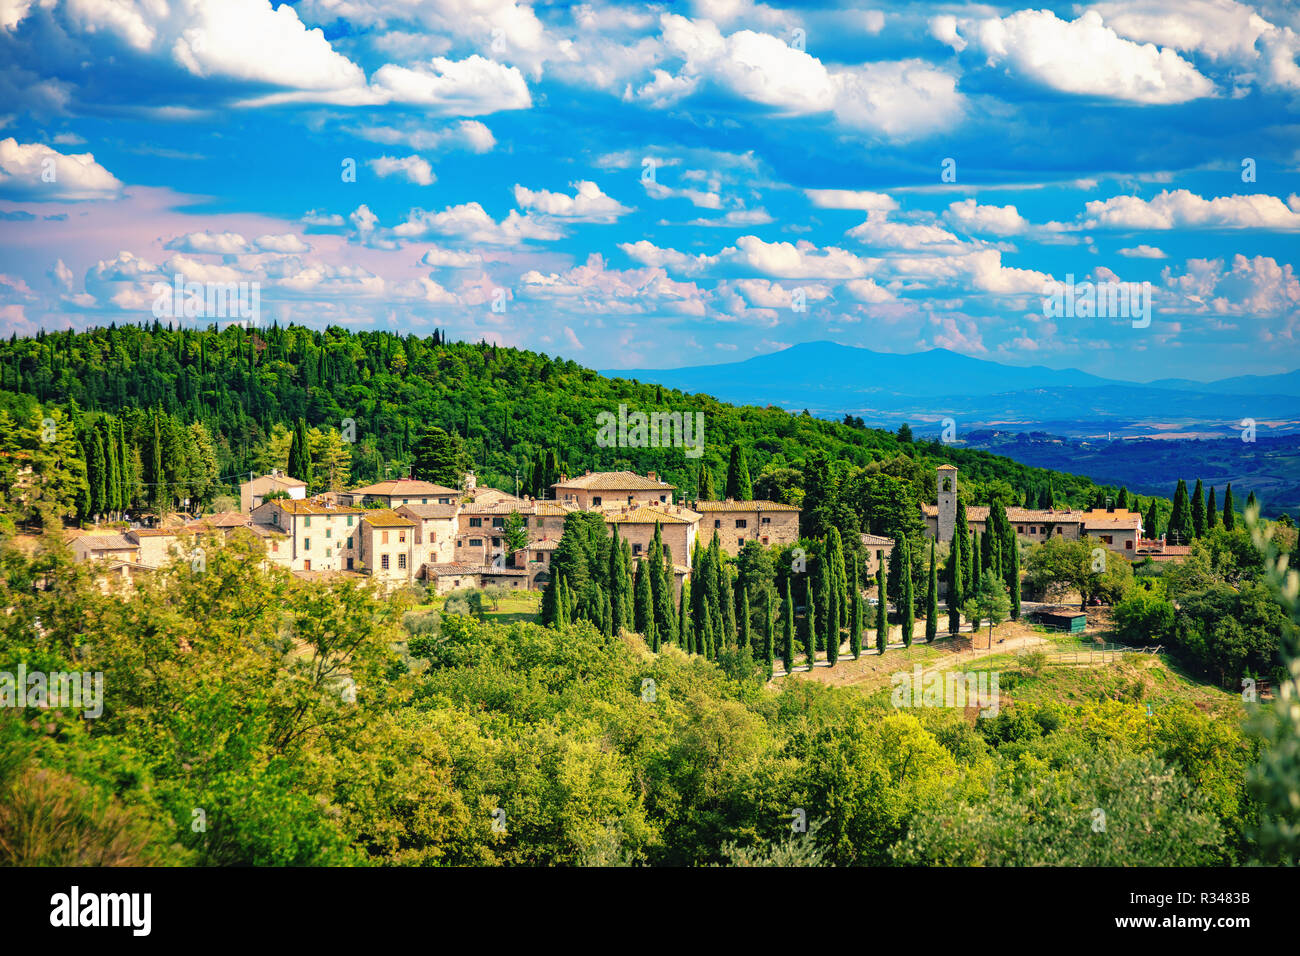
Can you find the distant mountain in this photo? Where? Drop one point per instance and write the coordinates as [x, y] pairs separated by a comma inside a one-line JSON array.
[[923, 388]]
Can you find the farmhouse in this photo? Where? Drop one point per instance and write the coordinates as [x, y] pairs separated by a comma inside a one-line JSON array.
[[737, 522]]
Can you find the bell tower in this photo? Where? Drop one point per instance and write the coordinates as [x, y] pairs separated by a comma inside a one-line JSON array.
[[946, 482]]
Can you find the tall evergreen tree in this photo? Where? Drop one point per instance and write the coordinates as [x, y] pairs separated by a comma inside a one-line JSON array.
[[743, 620], [1180, 522], [1229, 512], [810, 637], [977, 570], [769, 635], [644, 614], [907, 609], [614, 583], [882, 606], [158, 495], [705, 489], [1250, 501], [1211, 512], [1122, 503], [932, 601], [1198, 510], [855, 619], [300, 454], [1152, 522], [787, 630], [954, 587], [829, 625], [708, 641], [1013, 579], [739, 487]]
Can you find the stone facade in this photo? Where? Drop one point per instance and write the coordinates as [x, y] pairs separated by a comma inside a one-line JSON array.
[[738, 522]]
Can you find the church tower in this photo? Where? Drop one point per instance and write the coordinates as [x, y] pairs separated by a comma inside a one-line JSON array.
[[947, 485]]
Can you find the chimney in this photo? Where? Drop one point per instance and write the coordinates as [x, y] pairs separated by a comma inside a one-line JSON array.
[[652, 476]]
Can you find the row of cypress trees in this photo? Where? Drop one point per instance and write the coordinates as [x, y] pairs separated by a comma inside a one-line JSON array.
[[1193, 516]]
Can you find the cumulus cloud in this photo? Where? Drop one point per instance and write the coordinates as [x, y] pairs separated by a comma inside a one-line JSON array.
[[895, 99], [879, 231], [1142, 251], [588, 204], [1258, 286], [970, 216], [851, 199], [413, 168], [470, 222], [1182, 209], [1083, 56], [33, 171], [469, 87], [470, 135]]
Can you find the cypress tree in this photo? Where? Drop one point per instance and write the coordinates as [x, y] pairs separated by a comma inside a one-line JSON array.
[[908, 609], [976, 570], [1152, 521], [1229, 512], [614, 582], [1013, 580], [743, 624], [685, 639], [810, 639], [705, 490], [961, 535], [787, 630], [97, 475], [629, 599], [1198, 510], [882, 608], [1250, 501], [728, 604], [855, 620], [769, 636], [954, 588], [157, 487], [831, 624], [1180, 522], [932, 601], [707, 639], [739, 487], [644, 616], [1122, 503], [1211, 512]]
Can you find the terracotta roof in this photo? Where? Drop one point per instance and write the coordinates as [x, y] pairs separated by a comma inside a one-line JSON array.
[[553, 509], [444, 570], [876, 541], [311, 508], [487, 496], [225, 519], [156, 532], [946, 468], [383, 518], [754, 505], [429, 511], [649, 514], [106, 542], [498, 507], [405, 486], [614, 481]]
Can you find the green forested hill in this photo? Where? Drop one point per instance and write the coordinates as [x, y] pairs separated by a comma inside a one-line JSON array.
[[508, 406]]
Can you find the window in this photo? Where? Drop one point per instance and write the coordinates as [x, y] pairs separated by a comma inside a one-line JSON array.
[[424, 501], [765, 539], [1108, 539], [594, 501], [629, 499], [306, 522], [476, 542], [383, 537], [275, 546], [767, 521], [742, 523], [349, 544], [498, 522], [383, 561], [476, 522], [663, 499], [717, 523], [1020, 529], [740, 542], [496, 542], [329, 532], [636, 549], [349, 521], [1128, 545], [306, 544], [401, 562], [401, 537], [1033, 529]]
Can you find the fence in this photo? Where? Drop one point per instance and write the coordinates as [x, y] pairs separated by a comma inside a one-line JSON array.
[[1095, 654]]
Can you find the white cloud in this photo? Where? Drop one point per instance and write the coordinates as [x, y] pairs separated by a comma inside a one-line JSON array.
[[898, 99], [469, 87], [439, 258], [866, 290], [1182, 209], [588, 204], [1252, 287], [470, 135], [33, 171], [470, 222], [879, 231], [285, 244], [1221, 29], [210, 243], [970, 216], [413, 168], [1082, 56], [851, 199], [1143, 251], [316, 217]]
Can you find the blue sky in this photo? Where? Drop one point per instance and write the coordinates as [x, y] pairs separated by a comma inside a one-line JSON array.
[[651, 185]]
